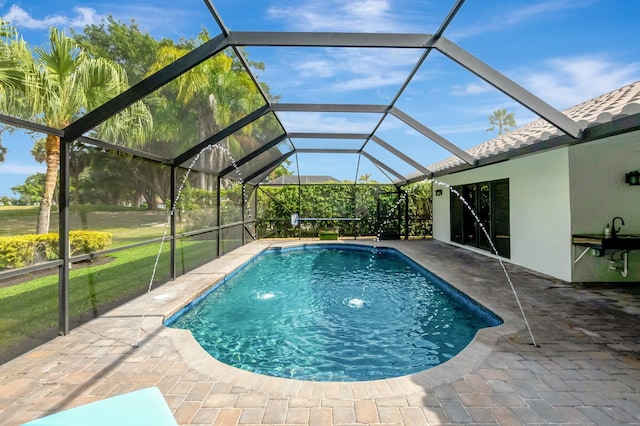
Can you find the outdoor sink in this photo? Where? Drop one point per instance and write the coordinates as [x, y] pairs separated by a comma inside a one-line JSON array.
[[600, 242]]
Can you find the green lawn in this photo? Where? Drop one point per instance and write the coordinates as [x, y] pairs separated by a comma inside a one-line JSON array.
[[128, 225], [31, 308]]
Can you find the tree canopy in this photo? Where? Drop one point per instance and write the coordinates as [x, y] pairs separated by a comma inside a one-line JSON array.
[[55, 85]]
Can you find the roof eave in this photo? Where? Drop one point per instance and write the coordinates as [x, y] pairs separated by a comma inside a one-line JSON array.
[[599, 131]]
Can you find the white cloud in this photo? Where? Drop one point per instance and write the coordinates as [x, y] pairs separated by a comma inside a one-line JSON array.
[[338, 15], [326, 122], [21, 19], [86, 16], [371, 81], [316, 68], [347, 69], [162, 19], [560, 81], [21, 169], [503, 18], [470, 89], [567, 81], [172, 19]]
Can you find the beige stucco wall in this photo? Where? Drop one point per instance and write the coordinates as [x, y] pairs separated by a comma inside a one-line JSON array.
[[556, 194], [539, 209], [598, 194]]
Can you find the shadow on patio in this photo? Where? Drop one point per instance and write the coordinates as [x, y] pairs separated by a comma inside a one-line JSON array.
[[586, 370]]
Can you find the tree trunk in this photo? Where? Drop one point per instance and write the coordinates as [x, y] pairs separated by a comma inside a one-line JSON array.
[[50, 182], [80, 201], [150, 196]]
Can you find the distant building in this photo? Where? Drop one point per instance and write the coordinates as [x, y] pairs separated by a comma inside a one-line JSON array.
[[302, 180]]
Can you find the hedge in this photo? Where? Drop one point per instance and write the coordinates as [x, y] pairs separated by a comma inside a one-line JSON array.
[[23, 250]]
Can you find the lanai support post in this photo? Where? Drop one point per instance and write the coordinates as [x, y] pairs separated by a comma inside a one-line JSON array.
[[63, 241], [299, 207], [255, 210], [406, 216], [219, 242], [354, 199], [244, 206], [400, 212], [172, 219]]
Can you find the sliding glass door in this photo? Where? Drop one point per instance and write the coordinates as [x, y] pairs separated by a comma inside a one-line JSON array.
[[487, 206]]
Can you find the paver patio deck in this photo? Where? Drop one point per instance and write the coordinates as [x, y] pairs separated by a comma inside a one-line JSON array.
[[586, 369]]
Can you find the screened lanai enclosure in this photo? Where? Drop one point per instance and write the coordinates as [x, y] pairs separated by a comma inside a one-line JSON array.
[[157, 151]]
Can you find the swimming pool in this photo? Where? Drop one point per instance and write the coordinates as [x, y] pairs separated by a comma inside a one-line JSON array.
[[333, 313]]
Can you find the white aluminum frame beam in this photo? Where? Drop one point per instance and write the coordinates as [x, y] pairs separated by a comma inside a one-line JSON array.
[[327, 151], [428, 41], [362, 108], [336, 39], [222, 134], [275, 163], [329, 39], [401, 155], [383, 166], [305, 135], [508, 87], [145, 87], [356, 136], [253, 154], [416, 125]]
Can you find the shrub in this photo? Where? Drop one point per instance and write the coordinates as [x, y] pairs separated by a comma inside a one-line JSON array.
[[18, 251], [84, 242], [48, 245], [24, 250]]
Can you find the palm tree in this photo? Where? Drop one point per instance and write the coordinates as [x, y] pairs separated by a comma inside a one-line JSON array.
[[218, 95], [56, 86], [502, 120]]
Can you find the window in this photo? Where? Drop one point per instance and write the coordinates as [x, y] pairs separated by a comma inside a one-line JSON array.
[[488, 203]]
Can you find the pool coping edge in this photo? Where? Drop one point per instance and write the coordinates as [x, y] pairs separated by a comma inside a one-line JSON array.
[[467, 361]]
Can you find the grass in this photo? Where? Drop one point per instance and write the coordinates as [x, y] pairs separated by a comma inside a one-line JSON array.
[[16, 220], [31, 308], [127, 225]]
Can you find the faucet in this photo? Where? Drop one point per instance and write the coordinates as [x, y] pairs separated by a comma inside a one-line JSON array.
[[615, 231]]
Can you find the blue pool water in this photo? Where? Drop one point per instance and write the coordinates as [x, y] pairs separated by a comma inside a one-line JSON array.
[[333, 313]]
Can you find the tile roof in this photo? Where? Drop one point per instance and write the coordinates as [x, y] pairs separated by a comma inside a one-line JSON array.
[[619, 103]]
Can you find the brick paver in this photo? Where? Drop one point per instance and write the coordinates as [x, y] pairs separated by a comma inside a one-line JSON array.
[[585, 370]]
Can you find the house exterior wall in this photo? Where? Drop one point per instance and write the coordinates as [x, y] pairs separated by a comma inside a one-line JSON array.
[[598, 194], [540, 212]]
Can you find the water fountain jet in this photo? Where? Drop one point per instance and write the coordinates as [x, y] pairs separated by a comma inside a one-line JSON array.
[[172, 214], [495, 251]]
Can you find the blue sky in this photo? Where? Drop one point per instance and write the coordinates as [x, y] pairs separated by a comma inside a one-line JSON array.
[[564, 51]]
